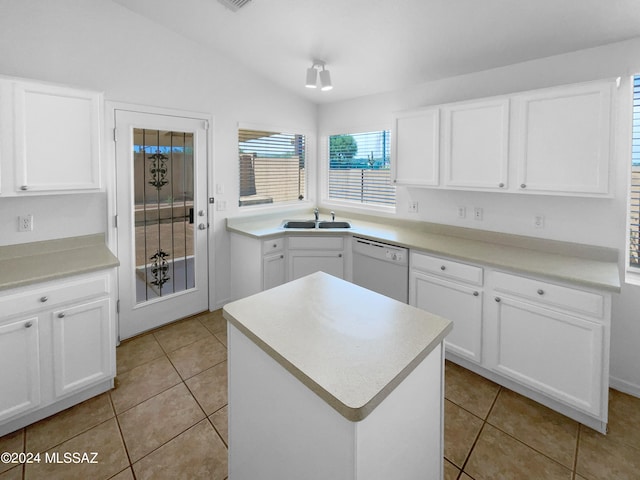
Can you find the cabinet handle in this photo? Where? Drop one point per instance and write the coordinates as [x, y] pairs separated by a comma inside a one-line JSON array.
[[540, 291], [339, 255], [44, 299], [497, 299], [275, 245], [28, 325], [475, 294], [501, 185], [61, 315], [24, 187], [523, 185], [443, 268], [281, 256]]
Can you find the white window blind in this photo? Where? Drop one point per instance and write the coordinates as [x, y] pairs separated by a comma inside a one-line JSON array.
[[360, 168], [272, 167], [634, 201]]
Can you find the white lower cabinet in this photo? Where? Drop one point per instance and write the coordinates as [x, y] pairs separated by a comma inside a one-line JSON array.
[[454, 291], [551, 338], [57, 347], [257, 265], [274, 272], [20, 372], [307, 255], [82, 352], [557, 354], [548, 341]]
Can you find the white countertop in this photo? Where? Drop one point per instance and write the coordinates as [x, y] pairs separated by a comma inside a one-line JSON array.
[[589, 266], [29, 263], [349, 345]]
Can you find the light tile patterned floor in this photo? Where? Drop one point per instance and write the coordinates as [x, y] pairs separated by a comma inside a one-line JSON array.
[[167, 419]]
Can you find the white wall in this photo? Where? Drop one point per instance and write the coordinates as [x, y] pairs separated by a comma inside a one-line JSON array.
[[592, 221], [100, 45]]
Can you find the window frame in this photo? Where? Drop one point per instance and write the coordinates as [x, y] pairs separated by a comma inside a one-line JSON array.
[[631, 273], [323, 175], [310, 157]]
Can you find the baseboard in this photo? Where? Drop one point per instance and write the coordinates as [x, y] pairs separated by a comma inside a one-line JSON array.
[[624, 386], [219, 304]]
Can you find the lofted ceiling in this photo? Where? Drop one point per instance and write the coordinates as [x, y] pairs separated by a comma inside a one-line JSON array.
[[373, 46]]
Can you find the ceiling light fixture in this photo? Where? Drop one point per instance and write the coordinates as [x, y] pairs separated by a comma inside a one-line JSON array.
[[312, 76]]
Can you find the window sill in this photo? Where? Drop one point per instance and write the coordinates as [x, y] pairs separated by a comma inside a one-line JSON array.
[[632, 277]]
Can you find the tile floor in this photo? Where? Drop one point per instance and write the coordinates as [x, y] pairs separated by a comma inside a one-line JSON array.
[[167, 419]]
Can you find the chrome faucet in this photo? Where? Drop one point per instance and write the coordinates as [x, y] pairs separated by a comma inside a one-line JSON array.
[[316, 212], [333, 216]]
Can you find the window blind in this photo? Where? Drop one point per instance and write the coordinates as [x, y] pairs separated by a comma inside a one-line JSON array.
[[360, 168], [634, 201], [272, 167]]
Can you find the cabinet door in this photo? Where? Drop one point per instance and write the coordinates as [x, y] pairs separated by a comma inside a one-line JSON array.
[[273, 271], [302, 263], [57, 138], [83, 346], [20, 367], [459, 303], [476, 144], [416, 148], [563, 139], [557, 354]]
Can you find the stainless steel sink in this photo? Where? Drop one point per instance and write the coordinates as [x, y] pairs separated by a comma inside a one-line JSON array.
[[300, 224], [310, 224], [333, 224]]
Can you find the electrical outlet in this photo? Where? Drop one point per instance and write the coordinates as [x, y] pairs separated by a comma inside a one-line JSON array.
[[413, 207], [477, 213], [462, 212], [25, 223], [538, 221], [221, 205]]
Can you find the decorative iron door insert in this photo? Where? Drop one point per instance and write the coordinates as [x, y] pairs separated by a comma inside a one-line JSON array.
[[163, 212]]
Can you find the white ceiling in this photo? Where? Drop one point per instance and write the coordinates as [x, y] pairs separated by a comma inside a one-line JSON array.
[[373, 46]]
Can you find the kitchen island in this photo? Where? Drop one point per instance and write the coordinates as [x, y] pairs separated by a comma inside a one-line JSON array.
[[330, 380]]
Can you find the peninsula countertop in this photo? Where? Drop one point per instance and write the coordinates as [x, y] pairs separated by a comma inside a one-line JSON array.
[[586, 265], [29, 263], [350, 346]]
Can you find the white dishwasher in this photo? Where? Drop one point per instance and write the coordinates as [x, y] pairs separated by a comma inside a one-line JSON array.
[[381, 267]]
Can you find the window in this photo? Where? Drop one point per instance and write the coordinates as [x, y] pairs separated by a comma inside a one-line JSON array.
[[272, 167], [359, 168], [634, 201]]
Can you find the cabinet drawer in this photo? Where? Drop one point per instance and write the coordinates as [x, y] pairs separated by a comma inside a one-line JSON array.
[[316, 243], [272, 245], [447, 268], [53, 294], [550, 294]]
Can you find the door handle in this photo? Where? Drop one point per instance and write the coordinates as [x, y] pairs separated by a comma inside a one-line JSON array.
[[202, 226]]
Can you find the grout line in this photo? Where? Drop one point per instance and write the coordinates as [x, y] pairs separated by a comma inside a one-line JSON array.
[[575, 456], [484, 422]]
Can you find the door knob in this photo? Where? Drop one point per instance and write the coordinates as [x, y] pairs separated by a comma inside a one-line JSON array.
[[202, 226]]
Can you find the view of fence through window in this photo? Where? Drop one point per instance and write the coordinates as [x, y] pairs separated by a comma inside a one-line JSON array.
[[272, 167], [360, 168], [634, 209]]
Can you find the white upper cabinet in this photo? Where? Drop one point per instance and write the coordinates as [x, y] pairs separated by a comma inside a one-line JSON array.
[[416, 148], [554, 141], [476, 144], [564, 139], [51, 141]]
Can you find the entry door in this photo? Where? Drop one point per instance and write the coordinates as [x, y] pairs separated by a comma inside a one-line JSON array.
[[161, 163]]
